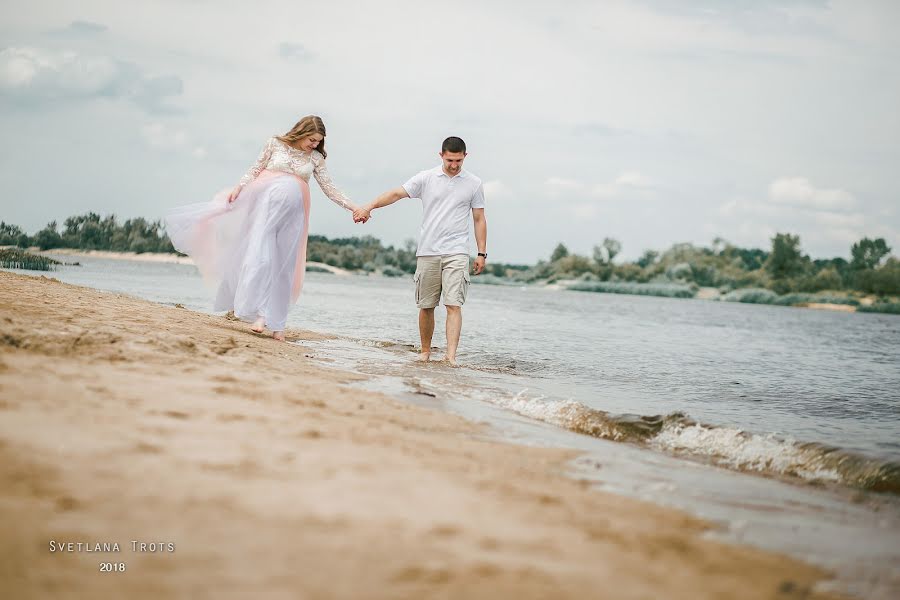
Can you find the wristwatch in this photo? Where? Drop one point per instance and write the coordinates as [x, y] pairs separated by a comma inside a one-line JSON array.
[[482, 254]]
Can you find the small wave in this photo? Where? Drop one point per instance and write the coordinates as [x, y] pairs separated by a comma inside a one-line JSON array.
[[502, 363], [385, 344], [724, 446], [579, 418]]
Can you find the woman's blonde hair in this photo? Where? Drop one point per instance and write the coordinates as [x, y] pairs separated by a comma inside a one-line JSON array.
[[305, 127]]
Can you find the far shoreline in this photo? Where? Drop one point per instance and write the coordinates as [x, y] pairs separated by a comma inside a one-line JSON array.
[[156, 257], [703, 293]]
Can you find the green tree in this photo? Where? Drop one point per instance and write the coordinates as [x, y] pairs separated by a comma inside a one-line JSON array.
[[867, 254], [785, 260], [647, 258], [628, 272], [10, 234], [48, 237], [612, 247], [749, 259], [885, 280], [605, 253], [826, 279], [574, 265], [559, 252]]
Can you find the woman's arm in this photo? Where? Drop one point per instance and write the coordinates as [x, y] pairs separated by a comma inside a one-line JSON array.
[[261, 161], [331, 190]]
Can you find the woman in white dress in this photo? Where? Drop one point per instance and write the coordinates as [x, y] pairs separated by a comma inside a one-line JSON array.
[[251, 241]]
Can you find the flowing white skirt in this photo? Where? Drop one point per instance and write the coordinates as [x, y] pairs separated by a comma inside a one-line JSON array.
[[254, 250]]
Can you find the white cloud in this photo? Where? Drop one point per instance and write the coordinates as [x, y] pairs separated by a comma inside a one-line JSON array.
[[633, 179], [496, 190], [159, 136], [35, 72], [628, 183], [800, 192], [81, 28], [604, 190], [822, 218], [585, 210], [33, 77], [830, 219], [559, 186], [292, 51]]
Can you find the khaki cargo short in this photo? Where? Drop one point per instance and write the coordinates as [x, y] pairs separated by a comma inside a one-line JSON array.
[[447, 274]]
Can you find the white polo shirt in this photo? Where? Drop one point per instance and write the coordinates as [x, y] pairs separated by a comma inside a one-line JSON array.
[[447, 204]]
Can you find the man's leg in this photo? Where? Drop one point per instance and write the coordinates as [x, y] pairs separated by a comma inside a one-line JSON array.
[[426, 331], [454, 326], [455, 284], [428, 293]]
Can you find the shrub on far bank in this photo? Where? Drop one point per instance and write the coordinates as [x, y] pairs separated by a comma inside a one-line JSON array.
[[316, 269], [890, 308], [826, 279], [392, 272], [488, 279], [764, 296], [665, 290], [792, 299], [883, 280], [751, 296]]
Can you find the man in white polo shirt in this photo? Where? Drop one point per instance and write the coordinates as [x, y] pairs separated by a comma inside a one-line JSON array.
[[448, 194]]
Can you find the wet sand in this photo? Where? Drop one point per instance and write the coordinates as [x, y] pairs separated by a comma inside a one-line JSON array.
[[125, 421]]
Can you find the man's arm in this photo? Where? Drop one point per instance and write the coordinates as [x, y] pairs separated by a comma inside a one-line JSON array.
[[480, 238], [385, 199]]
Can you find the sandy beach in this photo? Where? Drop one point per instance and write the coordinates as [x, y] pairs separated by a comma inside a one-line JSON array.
[[256, 472]]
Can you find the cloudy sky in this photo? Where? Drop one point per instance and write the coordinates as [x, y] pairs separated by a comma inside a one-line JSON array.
[[650, 121]]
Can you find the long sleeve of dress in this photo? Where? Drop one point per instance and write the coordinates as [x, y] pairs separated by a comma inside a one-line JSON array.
[[259, 165], [327, 185]]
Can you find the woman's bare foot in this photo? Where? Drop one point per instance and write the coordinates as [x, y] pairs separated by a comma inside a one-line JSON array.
[[278, 335], [423, 357], [258, 325]]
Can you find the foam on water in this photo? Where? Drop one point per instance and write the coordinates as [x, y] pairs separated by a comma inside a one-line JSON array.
[[765, 453], [739, 450]]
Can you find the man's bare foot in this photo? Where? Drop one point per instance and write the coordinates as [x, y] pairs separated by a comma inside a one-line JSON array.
[[278, 335], [258, 325], [423, 357]]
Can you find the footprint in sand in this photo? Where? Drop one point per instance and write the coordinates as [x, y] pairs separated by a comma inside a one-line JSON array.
[[176, 414]]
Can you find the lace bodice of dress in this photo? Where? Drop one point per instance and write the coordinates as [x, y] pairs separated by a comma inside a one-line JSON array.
[[278, 156]]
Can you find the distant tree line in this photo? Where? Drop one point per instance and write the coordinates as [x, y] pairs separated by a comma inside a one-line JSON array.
[[783, 268], [92, 232], [368, 254]]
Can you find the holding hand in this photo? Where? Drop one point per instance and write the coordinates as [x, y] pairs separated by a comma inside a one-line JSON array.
[[361, 215]]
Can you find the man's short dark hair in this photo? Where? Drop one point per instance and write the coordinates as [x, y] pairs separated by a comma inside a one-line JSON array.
[[453, 144]]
